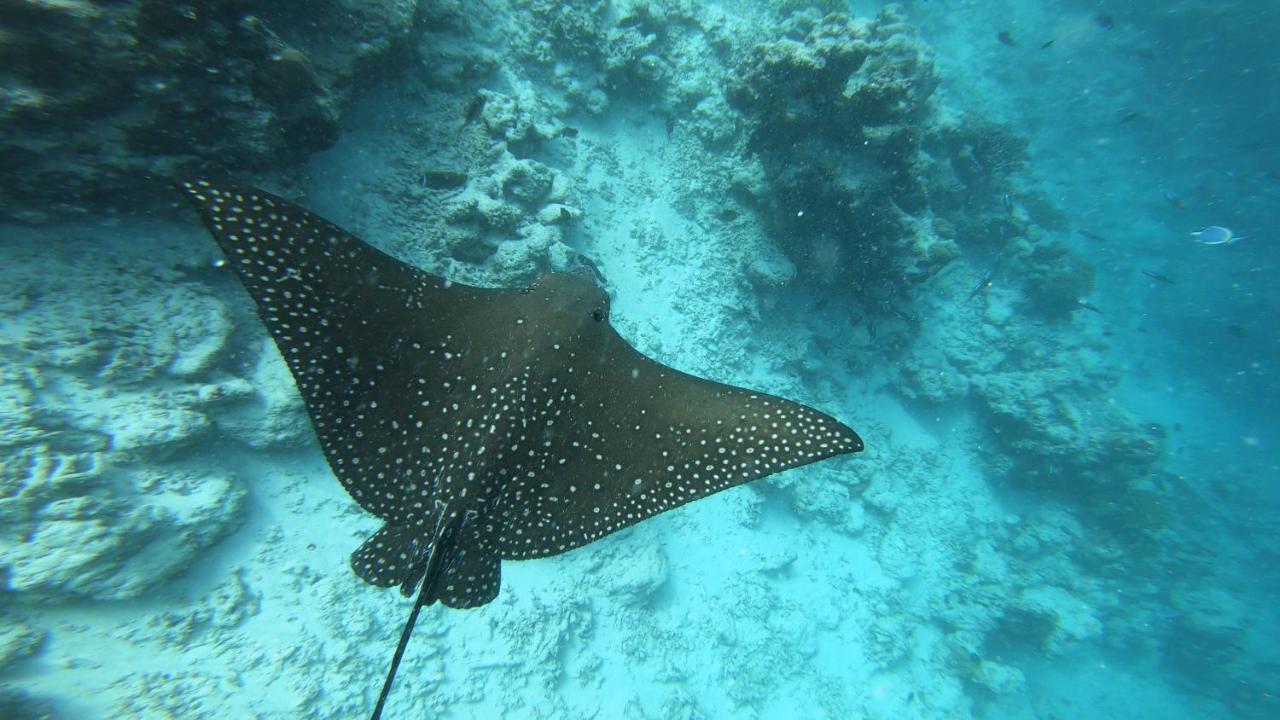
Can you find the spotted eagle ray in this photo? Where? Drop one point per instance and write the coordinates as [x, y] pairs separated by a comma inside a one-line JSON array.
[[486, 424]]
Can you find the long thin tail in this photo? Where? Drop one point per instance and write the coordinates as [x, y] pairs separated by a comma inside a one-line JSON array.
[[404, 642], [426, 595]]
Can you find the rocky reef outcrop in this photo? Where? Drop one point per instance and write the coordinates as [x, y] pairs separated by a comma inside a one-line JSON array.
[[109, 413], [837, 109], [102, 102]]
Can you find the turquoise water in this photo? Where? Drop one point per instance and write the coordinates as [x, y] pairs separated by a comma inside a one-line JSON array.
[[964, 229]]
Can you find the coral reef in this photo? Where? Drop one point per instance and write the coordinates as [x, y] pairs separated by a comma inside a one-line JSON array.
[[103, 489], [836, 108], [103, 101], [776, 194], [17, 640], [17, 703]]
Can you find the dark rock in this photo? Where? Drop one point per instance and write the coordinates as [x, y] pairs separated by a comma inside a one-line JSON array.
[[443, 179], [102, 102], [20, 705]]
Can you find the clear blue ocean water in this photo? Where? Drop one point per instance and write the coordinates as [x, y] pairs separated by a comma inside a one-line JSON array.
[[1025, 249]]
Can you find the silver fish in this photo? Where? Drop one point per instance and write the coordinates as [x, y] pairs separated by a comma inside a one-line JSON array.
[[1216, 235]]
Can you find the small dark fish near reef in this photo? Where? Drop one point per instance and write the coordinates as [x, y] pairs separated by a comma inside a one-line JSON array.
[[1046, 44], [483, 425], [1105, 22], [983, 283], [1129, 117], [442, 179], [1089, 306], [1089, 235], [1159, 277], [588, 267], [1006, 39], [471, 111]]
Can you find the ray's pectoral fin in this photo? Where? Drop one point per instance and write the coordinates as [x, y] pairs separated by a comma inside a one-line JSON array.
[[649, 438]]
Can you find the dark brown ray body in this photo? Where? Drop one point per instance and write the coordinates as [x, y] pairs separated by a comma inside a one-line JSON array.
[[487, 424]]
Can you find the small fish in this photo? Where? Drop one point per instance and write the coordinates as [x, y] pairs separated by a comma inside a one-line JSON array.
[[1006, 39], [471, 111], [1175, 199], [1006, 201], [1046, 44], [1235, 330], [1091, 235], [671, 125], [1106, 22], [1216, 235], [586, 266], [1088, 306], [568, 131], [984, 283], [1129, 117], [907, 317], [1160, 277]]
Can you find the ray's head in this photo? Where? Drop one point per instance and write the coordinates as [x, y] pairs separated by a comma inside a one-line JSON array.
[[573, 298]]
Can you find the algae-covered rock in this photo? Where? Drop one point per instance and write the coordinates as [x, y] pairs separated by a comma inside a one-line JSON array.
[[930, 376], [1000, 679], [121, 546], [264, 410], [168, 88], [642, 576], [527, 182], [1056, 280], [18, 640], [1064, 619], [107, 382], [836, 76], [836, 108], [19, 704]]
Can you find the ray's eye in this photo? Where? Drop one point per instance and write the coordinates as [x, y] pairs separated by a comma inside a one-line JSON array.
[[597, 314]]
